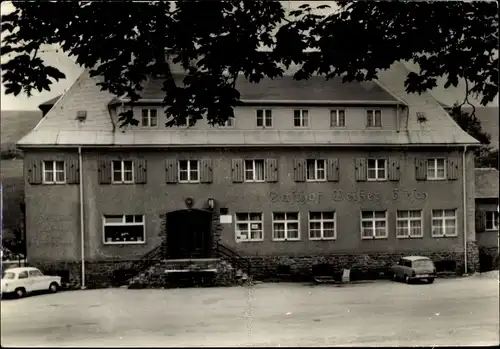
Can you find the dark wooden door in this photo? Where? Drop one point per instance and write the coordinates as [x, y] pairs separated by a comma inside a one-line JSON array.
[[189, 234]]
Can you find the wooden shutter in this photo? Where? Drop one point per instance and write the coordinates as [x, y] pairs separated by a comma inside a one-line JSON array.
[[453, 168], [237, 170], [480, 221], [420, 169], [104, 171], [141, 171], [171, 170], [206, 175], [360, 169], [332, 170], [271, 170], [34, 171], [72, 171], [394, 170], [299, 170]]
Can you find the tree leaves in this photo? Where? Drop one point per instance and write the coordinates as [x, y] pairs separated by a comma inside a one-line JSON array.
[[218, 42]]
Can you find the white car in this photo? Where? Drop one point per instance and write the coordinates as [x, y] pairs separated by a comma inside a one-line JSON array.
[[20, 281]]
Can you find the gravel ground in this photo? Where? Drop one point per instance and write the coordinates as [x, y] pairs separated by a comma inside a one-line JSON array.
[[449, 312]]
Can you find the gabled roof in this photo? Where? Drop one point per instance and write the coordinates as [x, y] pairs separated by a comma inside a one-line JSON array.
[[486, 181], [60, 127], [489, 118]]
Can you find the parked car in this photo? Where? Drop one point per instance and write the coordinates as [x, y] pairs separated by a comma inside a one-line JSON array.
[[20, 281], [412, 268]]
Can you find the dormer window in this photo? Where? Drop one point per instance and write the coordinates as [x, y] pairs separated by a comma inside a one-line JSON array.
[[149, 118], [374, 118]]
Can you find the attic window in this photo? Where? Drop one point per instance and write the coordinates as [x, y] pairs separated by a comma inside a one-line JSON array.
[[81, 115]]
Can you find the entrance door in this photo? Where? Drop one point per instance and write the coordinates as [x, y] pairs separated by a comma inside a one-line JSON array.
[[189, 234]]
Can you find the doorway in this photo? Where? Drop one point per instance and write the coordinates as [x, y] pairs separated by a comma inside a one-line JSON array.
[[189, 234]]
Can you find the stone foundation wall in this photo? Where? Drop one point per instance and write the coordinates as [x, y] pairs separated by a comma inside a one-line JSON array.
[[472, 256], [264, 267], [488, 258]]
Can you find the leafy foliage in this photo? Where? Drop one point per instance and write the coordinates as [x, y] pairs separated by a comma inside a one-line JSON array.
[[215, 42], [486, 156]]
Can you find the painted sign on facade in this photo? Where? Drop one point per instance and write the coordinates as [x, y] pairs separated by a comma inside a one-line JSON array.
[[338, 195]]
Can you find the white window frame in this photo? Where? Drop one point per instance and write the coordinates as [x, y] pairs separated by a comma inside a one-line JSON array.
[[316, 170], [373, 220], [122, 172], [189, 180], [249, 223], [322, 221], [124, 223], [335, 115], [267, 115], [301, 118], [443, 220], [376, 168], [435, 176], [408, 227], [54, 172], [229, 123], [374, 118], [285, 222], [494, 221], [149, 118], [253, 180]]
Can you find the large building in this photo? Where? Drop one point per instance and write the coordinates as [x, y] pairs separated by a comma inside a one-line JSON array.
[[307, 173]]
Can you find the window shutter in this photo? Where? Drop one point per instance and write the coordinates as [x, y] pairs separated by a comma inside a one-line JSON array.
[[453, 168], [104, 171], [299, 170], [72, 171], [206, 175], [171, 170], [34, 172], [420, 169], [394, 170], [271, 170], [332, 170], [237, 170], [360, 169], [480, 221], [141, 171]]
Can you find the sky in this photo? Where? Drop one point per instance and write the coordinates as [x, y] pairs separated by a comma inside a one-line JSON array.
[[68, 66]]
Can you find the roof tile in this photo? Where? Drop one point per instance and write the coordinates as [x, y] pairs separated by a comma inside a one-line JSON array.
[[486, 183]]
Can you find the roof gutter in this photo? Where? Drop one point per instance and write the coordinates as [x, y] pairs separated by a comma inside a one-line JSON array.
[[119, 101]]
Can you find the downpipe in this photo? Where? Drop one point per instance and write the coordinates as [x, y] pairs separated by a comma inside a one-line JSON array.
[[464, 182], [82, 225]]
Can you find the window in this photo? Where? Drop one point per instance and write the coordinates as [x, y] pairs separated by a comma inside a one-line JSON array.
[[189, 171], [374, 118], [491, 220], [264, 118], [436, 169], [35, 273], [54, 172], [316, 170], [254, 170], [23, 275], [444, 223], [184, 122], [249, 227], [286, 226], [337, 118], [124, 229], [373, 224], [123, 171], [377, 170], [301, 118], [149, 117], [322, 225], [409, 224], [228, 123]]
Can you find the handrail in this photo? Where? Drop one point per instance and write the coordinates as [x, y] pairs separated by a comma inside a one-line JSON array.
[[235, 258]]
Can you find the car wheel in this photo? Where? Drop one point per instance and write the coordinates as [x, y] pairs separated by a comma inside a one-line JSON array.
[[430, 280], [53, 288], [407, 279], [20, 292]]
